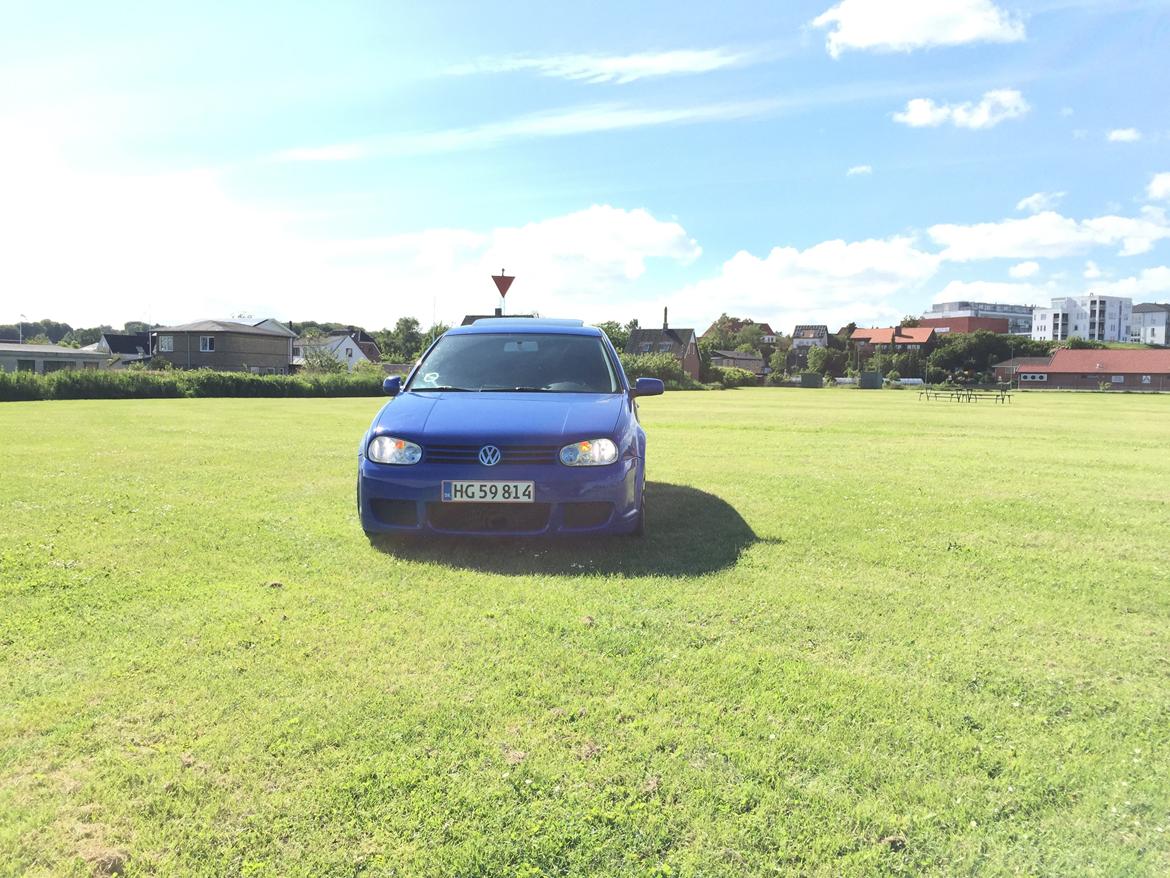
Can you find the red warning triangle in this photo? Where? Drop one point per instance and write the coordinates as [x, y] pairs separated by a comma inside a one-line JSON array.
[[503, 281]]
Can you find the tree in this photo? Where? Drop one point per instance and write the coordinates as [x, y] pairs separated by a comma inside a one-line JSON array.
[[910, 321], [400, 344], [39, 338], [818, 358], [133, 326], [748, 338], [1076, 343], [617, 333], [722, 332], [429, 336], [978, 351], [319, 359], [83, 337]]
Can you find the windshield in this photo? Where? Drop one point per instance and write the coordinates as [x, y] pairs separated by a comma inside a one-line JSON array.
[[524, 362]]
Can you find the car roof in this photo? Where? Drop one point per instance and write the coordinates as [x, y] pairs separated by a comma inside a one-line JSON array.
[[526, 325]]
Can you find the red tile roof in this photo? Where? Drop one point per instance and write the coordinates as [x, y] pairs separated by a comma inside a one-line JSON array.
[[895, 335], [1115, 362]]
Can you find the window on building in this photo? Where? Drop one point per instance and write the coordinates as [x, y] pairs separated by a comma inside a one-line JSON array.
[[645, 347], [664, 346], [349, 352], [89, 365], [1118, 379], [296, 351], [26, 365], [166, 344], [1146, 379], [206, 344]]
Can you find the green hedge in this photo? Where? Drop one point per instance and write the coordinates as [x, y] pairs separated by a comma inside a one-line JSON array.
[[663, 366], [730, 376], [134, 384]]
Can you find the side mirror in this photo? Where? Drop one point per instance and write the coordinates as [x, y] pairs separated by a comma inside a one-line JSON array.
[[392, 385], [648, 387]]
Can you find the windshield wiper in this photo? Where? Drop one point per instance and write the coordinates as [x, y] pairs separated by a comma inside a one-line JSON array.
[[445, 388], [514, 389]]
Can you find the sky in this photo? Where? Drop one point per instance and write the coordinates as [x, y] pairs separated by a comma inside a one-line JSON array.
[[796, 162]]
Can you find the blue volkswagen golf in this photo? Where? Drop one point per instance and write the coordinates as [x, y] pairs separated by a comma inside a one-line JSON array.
[[515, 427]]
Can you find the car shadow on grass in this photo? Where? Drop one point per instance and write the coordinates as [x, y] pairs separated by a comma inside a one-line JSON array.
[[688, 532]]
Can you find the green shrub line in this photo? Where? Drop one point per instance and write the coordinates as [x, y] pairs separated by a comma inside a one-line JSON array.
[[137, 384], [176, 384]]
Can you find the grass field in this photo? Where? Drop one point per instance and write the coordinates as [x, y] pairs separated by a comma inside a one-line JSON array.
[[865, 635]]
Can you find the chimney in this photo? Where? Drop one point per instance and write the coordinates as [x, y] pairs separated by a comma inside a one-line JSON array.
[[664, 323]]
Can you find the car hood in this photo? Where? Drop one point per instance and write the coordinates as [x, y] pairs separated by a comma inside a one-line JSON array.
[[501, 417]]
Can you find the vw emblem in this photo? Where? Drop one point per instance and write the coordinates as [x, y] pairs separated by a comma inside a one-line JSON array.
[[489, 455]]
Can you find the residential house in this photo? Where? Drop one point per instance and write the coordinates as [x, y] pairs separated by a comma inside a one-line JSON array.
[[1095, 317], [123, 348], [1019, 317], [46, 358], [752, 362], [343, 347], [1141, 370], [275, 326], [805, 337], [893, 339], [810, 335], [1150, 324], [225, 346], [680, 343]]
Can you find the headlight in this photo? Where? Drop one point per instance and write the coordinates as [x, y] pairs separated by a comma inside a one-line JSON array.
[[387, 449], [589, 452]]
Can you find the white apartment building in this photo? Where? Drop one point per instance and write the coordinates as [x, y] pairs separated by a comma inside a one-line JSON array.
[[1150, 324], [1093, 317]]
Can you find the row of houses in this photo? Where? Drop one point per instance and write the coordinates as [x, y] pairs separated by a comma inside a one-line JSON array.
[[265, 348]]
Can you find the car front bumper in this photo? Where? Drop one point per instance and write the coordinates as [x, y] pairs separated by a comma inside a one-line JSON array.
[[568, 500]]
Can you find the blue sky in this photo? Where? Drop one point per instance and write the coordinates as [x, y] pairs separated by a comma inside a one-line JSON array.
[[796, 162]]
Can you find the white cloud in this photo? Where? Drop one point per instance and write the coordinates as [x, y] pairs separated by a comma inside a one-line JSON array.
[[1092, 270], [1049, 235], [1159, 188], [619, 69], [903, 25], [832, 282], [1066, 111], [1040, 201], [96, 249], [1124, 135], [557, 123], [1023, 270], [1151, 282], [992, 291], [858, 170], [994, 107]]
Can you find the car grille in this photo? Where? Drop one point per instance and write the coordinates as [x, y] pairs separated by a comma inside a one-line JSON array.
[[508, 453], [489, 517]]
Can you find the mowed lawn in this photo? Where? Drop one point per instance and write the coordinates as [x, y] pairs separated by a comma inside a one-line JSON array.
[[865, 635]]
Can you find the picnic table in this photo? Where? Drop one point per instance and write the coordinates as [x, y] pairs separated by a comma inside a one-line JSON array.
[[967, 394]]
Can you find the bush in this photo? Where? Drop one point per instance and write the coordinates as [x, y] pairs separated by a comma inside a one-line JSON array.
[[140, 384], [729, 376], [21, 386], [665, 367]]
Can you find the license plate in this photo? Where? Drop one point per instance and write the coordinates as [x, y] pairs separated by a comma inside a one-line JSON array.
[[488, 492]]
